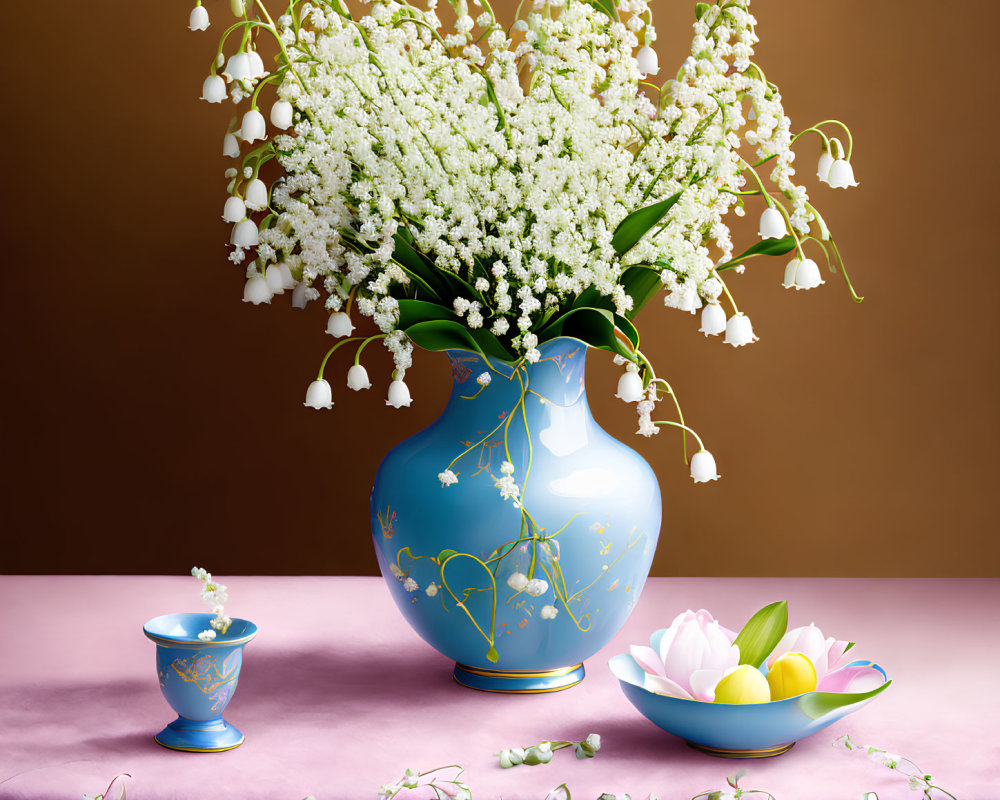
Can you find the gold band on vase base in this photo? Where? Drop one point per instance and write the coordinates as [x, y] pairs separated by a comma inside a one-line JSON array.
[[766, 752], [492, 680]]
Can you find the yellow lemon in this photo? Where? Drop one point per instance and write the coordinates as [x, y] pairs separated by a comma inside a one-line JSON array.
[[791, 675], [743, 685]]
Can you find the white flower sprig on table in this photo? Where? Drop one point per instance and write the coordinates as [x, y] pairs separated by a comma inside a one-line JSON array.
[[214, 594], [917, 779], [115, 790], [541, 753], [430, 784]]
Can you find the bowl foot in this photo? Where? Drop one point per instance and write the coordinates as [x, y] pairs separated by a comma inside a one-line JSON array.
[[518, 681], [766, 752], [200, 736]]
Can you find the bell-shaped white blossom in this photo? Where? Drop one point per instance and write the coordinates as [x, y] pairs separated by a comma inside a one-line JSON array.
[[234, 210], [739, 331], [274, 278], [357, 378], [647, 61], [238, 7], [319, 395], [281, 115], [536, 587], [253, 128], [339, 325], [713, 320], [198, 19], [772, 224], [231, 146], [823, 168], [841, 174], [517, 581], [703, 467], [238, 67], [256, 64], [245, 234], [287, 279], [807, 276], [399, 395], [630, 388], [213, 90], [256, 195], [299, 297], [257, 291]]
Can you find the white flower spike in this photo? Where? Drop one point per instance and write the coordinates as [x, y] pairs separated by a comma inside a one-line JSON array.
[[630, 388], [339, 325], [646, 60], [713, 320], [703, 467], [842, 174], [253, 128], [213, 90], [274, 278], [357, 378], [245, 234], [256, 195], [739, 331], [257, 291], [281, 115], [399, 395], [198, 19], [234, 210], [772, 224], [319, 395]]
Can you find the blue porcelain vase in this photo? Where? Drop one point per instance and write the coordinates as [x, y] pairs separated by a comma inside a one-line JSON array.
[[514, 533], [198, 679]]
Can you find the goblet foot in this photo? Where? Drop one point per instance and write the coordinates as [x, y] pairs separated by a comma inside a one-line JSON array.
[[518, 681], [200, 736]]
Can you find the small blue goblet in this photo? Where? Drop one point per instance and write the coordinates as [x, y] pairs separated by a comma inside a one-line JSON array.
[[198, 679]]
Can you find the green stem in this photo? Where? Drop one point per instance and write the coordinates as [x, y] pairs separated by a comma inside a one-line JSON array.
[[679, 425], [850, 139], [364, 344], [331, 351]]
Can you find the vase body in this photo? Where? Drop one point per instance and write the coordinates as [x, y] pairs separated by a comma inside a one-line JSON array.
[[518, 591], [198, 679]]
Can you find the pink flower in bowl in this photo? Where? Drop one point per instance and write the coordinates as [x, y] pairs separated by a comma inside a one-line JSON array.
[[829, 657]]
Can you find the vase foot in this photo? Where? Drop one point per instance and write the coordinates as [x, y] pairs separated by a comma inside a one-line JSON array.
[[509, 681], [200, 736], [766, 752]]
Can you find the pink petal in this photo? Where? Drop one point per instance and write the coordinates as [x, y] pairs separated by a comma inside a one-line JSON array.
[[862, 678], [835, 652], [703, 683], [647, 658], [655, 683], [685, 655]]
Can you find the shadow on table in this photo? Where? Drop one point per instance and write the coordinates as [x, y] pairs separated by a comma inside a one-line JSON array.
[[641, 741]]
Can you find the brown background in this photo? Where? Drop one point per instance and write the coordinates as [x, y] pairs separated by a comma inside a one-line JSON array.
[[151, 420]]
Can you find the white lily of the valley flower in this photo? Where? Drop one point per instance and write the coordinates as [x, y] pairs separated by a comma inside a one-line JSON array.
[[630, 388], [517, 581], [842, 174], [234, 210], [299, 298], [257, 291], [198, 19], [484, 379], [536, 587], [274, 278], [231, 146], [772, 224], [256, 195], [339, 325], [703, 467], [647, 61], [245, 234], [238, 67], [823, 168], [213, 90], [319, 395], [281, 115], [807, 276], [548, 612], [739, 331], [256, 64], [253, 128], [447, 477], [238, 7], [287, 279], [713, 320], [357, 378], [399, 395]]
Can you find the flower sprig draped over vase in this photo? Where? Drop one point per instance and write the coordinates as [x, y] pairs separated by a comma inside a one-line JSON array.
[[494, 185]]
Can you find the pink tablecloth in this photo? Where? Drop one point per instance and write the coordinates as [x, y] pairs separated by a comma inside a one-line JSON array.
[[338, 695]]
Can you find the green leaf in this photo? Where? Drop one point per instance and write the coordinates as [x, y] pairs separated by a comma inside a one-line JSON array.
[[593, 326], [492, 655], [638, 223], [444, 555], [413, 311], [767, 247], [700, 9], [608, 7], [442, 334], [640, 283], [819, 704], [423, 273], [762, 633]]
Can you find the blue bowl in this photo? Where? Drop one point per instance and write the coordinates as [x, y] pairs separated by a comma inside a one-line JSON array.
[[198, 679], [755, 730]]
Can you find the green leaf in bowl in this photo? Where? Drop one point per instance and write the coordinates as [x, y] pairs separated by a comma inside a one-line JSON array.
[[762, 633]]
